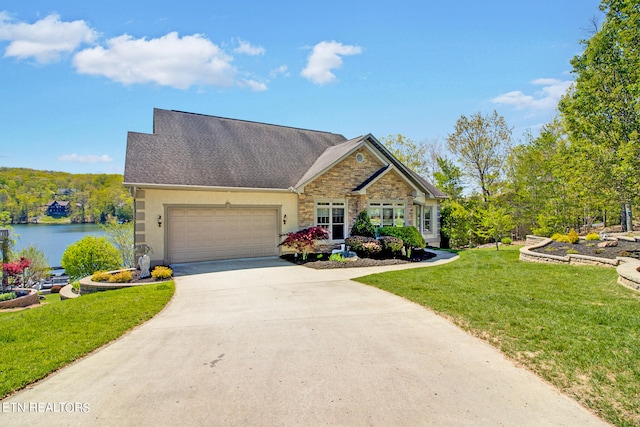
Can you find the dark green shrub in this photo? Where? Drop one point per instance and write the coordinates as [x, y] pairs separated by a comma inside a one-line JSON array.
[[363, 226], [409, 235], [391, 244], [363, 246]]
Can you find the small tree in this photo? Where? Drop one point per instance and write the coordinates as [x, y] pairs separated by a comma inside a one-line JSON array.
[[303, 241], [494, 224], [121, 236], [13, 271], [39, 268], [88, 255], [363, 226]]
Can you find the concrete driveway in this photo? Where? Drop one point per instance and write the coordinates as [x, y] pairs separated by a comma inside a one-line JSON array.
[[267, 343]]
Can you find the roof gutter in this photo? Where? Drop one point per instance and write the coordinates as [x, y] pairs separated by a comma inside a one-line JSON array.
[[139, 185]]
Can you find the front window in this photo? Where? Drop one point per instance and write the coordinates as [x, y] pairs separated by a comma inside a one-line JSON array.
[[387, 214], [427, 220], [330, 215]]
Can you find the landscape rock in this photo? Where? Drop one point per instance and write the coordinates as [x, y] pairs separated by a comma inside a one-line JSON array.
[[608, 244]]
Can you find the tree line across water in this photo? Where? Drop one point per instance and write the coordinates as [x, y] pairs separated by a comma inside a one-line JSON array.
[[24, 194]]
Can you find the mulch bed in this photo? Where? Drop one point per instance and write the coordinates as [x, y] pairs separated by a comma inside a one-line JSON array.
[[321, 261], [590, 248]]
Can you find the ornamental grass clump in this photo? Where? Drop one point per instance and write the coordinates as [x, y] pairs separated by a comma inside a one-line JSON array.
[[161, 273]]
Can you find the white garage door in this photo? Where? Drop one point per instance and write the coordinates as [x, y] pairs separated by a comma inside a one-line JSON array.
[[203, 234]]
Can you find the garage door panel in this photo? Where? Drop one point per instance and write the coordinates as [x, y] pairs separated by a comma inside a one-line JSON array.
[[201, 234]]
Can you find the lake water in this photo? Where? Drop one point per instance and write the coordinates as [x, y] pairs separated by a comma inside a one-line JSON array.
[[53, 239]]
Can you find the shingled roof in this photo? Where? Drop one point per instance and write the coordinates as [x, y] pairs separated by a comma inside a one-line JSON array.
[[197, 150], [187, 149]]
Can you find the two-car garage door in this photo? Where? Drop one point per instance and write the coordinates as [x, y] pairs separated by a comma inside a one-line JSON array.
[[203, 234]]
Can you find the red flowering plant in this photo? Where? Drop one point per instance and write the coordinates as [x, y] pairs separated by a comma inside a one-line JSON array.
[[303, 241], [12, 272]]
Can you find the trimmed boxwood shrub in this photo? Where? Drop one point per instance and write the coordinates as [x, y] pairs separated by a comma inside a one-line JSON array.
[[409, 235], [391, 244]]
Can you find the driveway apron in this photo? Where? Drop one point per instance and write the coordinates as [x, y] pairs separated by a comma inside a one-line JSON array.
[[267, 343]]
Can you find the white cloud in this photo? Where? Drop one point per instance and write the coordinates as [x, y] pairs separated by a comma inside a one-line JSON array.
[[247, 49], [91, 158], [324, 57], [170, 60], [281, 70], [253, 85], [45, 40], [545, 99]]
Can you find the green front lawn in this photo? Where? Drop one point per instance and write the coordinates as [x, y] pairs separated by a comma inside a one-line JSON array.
[[572, 325], [37, 341]]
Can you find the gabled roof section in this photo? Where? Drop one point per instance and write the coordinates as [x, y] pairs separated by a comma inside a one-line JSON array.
[[422, 183], [189, 149], [330, 157], [372, 178]]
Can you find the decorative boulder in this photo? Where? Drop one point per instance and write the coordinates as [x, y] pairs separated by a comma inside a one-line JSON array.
[[608, 244]]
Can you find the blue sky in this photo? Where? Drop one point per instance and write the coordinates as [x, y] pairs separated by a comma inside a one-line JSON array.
[[76, 76]]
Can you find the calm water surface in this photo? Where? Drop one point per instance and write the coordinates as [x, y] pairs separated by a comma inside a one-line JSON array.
[[53, 239]]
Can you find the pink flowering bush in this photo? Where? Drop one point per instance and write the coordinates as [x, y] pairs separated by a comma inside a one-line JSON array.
[[303, 241]]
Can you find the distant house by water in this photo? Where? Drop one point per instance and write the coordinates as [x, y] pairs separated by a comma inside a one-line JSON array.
[[58, 208]]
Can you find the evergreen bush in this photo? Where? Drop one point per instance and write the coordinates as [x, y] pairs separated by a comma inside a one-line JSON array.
[[363, 226], [409, 235]]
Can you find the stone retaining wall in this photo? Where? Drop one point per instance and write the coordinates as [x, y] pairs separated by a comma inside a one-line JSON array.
[[627, 268], [25, 301]]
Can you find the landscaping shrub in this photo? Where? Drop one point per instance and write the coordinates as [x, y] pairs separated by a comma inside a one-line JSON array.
[[161, 273], [391, 244], [88, 255], [506, 241], [336, 258], [562, 238], [556, 236], [409, 235], [363, 246], [593, 236], [100, 276], [303, 241], [573, 236], [363, 226], [121, 277], [7, 296]]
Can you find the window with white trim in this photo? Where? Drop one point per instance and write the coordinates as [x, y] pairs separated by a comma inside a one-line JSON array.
[[387, 214], [427, 224], [330, 215]]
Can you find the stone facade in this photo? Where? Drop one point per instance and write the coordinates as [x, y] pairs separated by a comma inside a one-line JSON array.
[[338, 183]]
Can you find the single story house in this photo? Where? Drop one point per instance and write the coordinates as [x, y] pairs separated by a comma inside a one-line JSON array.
[[58, 208], [209, 188]]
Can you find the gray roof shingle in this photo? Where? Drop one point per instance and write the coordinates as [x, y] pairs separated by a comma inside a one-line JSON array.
[[194, 149], [188, 149]]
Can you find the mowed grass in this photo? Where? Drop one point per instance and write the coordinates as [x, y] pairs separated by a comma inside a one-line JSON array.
[[573, 325], [37, 341]]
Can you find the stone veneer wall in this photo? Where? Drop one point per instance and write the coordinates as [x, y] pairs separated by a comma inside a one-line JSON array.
[[338, 182]]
